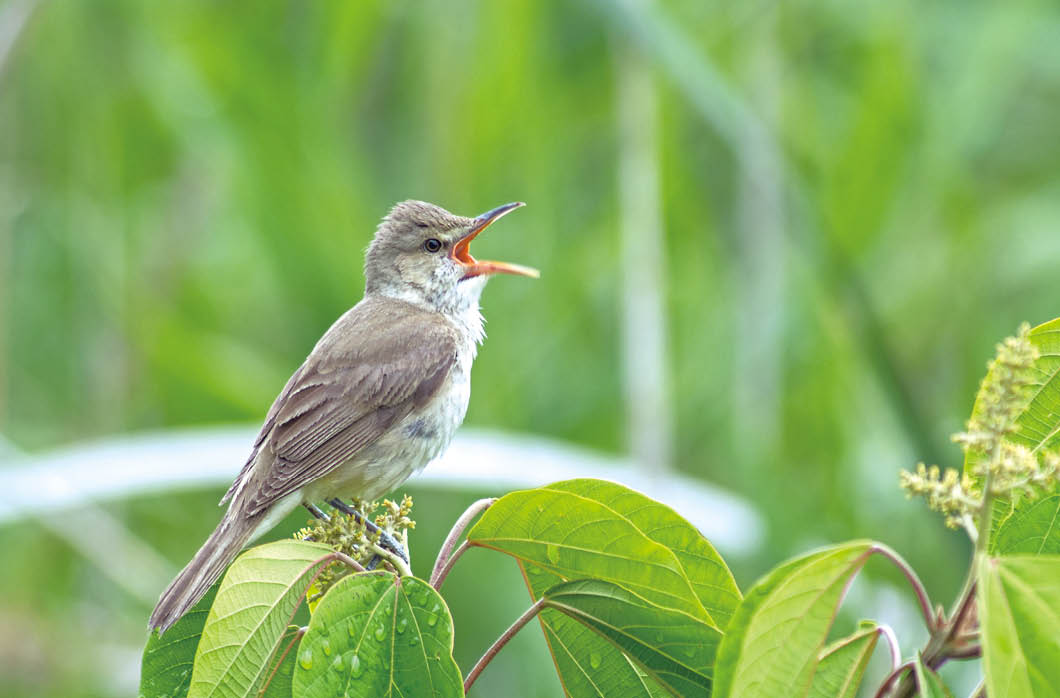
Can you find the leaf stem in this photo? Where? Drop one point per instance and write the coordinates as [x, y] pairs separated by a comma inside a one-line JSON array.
[[898, 671], [400, 565], [349, 561], [445, 555], [501, 642], [892, 644], [914, 581], [438, 577], [283, 655]]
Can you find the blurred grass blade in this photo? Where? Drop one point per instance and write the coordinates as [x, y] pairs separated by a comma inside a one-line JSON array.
[[165, 671], [378, 635], [1019, 611], [674, 648], [842, 665], [772, 644], [256, 601]]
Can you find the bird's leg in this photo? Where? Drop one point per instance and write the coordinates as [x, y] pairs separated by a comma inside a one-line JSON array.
[[316, 512], [385, 539]]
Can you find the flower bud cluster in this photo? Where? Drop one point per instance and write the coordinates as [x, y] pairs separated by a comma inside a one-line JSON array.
[[345, 534], [995, 464]]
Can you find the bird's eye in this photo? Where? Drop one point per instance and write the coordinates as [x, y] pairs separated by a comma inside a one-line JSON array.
[[432, 244]]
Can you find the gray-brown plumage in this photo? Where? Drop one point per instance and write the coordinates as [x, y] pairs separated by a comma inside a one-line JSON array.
[[380, 395]]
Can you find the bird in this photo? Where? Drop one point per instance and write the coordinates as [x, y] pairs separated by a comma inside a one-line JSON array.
[[380, 395]]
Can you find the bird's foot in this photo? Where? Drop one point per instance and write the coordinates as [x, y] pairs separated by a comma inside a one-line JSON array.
[[386, 540]]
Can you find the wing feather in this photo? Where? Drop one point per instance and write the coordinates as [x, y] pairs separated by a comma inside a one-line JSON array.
[[371, 369]]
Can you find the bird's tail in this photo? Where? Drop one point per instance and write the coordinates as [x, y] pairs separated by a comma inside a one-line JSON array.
[[204, 569]]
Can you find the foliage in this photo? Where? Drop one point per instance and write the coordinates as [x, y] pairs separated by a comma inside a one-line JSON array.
[[634, 602], [186, 189]]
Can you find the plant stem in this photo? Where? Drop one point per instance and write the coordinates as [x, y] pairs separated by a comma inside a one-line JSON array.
[[438, 577], [914, 581], [272, 674], [501, 642], [940, 646], [898, 671], [400, 565], [462, 523], [892, 644], [349, 561]]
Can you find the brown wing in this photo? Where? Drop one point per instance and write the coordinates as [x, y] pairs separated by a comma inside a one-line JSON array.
[[379, 362]]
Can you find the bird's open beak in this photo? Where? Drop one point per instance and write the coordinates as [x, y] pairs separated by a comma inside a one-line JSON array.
[[473, 267]]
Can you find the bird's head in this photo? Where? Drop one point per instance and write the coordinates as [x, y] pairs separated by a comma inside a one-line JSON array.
[[421, 254]]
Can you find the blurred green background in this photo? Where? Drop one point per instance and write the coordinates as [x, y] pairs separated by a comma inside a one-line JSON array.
[[832, 212]]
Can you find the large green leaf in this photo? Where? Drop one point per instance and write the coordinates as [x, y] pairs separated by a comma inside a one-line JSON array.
[[1037, 428], [1019, 611], [842, 664], [588, 665], [1030, 527], [377, 635], [676, 649], [772, 644], [928, 682], [257, 599], [590, 528], [165, 671]]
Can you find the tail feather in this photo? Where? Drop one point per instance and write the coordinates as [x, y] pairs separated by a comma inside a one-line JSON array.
[[205, 568]]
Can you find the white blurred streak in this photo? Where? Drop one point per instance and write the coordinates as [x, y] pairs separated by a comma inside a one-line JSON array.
[[481, 461], [30, 493], [649, 421], [13, 18]]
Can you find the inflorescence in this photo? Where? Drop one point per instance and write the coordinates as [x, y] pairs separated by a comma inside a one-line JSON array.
[[995, 465], [345, 534]]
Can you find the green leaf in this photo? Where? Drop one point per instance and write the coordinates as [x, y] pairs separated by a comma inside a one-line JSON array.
[[1019, 612], [256, 601], [672, 647], [588, 665], [277, 682], [928, 682], [772, 644], [1030, 527], [165, 671], [376, 635], [590, 528], [842, 664]]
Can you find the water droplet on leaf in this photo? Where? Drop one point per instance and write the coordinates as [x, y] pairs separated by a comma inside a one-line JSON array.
[[337, 664], [402, 624], [351, 627], [552, 551], [306, 658], [325, 645], [355, 666], [380, 632], [594, 660]]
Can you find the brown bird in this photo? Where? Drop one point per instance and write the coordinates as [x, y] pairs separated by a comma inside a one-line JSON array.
[[380, 395]]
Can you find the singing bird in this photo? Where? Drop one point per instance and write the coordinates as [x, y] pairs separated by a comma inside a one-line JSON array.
[[380, 395]]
